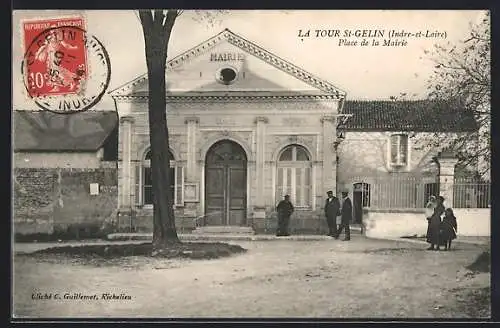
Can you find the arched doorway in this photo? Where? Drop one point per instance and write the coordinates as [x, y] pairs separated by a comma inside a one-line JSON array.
[[225, 184]]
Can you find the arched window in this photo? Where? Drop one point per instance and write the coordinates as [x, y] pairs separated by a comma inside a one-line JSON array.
[[144, 181], [294, 176]]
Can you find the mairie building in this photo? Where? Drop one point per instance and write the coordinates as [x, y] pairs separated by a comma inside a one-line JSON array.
[[246, 127]]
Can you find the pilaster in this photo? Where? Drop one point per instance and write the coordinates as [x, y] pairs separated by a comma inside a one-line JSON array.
[[126, 126], [447, 162], [192, 130], [261, 122], [329, 154]]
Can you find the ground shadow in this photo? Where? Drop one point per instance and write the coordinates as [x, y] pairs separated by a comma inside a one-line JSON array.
[[100, 255], [392, 251], [482, 263]]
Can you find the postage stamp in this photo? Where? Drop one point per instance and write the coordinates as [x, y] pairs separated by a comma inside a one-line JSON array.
[[64, 69], [56, 63]]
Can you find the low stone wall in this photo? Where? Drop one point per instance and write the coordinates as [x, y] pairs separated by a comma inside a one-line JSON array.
[[301, 222], [473, 221], [396, 223], [141, 221], [58, 200]]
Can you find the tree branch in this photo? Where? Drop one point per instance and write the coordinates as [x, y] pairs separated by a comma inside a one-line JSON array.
[[158, 19], [170, 20]]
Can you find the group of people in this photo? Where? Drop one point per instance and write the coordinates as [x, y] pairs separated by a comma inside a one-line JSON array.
[[441, 229], [442, 224], [333, 208]]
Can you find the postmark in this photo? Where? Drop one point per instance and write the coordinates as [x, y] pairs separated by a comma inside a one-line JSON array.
[[65, 69]]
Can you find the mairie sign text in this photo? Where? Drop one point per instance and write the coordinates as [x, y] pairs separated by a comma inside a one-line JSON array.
[[227, 56]]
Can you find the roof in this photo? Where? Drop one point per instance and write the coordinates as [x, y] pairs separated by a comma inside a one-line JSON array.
[[408, 115], [247, 46], [47, 131]]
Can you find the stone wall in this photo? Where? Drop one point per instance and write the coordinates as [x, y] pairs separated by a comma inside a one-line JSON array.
[[301, 222], [142, 221], [473, 221], [366, 154], [48, 200], [401, 223]]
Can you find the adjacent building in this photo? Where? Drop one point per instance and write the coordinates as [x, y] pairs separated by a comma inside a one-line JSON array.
[[64, 171]]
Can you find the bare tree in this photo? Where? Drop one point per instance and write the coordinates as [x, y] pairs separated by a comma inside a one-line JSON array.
[[157, 28], [462, 77]]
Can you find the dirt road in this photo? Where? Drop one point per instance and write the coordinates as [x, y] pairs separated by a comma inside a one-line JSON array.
[[362, 278]]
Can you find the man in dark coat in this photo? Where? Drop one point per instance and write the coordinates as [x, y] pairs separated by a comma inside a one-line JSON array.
[[346, 216], [332, 210], [284, 209]]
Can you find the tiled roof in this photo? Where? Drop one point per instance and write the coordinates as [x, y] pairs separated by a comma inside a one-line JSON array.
[[414, 116], [46, 131]]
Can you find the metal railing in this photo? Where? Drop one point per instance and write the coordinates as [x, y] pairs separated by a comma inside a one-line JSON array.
[[405, 191], [471, 195], [391, 191], [201, 220]]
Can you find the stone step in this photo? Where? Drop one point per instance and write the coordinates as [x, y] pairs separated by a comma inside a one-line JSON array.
[[138, 237], [224, 230]]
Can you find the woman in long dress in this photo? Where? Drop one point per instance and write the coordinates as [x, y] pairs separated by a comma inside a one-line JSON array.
[[434, 226]]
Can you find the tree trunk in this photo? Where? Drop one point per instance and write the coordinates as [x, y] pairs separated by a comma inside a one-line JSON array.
[[163, 219], [156, 40]]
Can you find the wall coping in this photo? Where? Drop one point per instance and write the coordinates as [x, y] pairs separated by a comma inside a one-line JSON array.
[[394, 210]]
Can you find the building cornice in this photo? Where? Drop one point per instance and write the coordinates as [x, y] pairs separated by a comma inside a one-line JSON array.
[[229, 98]]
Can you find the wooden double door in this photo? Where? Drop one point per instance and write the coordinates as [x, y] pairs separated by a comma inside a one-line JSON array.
[[226, 184]]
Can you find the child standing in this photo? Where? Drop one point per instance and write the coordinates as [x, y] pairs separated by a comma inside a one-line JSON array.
[[449, 228]]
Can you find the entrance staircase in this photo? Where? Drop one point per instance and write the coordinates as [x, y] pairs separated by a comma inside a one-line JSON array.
[[248, 231], [215, 230]]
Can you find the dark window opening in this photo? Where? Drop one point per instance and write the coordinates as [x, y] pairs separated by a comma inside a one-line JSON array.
[[227, 75], [430, 189], [148, 180]]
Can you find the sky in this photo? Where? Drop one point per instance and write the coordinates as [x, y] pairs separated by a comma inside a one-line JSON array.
[[364, 72]]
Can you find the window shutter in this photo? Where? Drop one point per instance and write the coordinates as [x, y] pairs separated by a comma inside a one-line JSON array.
[[279, 185], [288, 183], [179, 186], [403, 148], [138, 184], [394, 149]]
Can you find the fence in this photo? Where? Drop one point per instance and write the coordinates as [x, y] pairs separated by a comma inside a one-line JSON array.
[[471, 194], [407, 191], [393, 191]]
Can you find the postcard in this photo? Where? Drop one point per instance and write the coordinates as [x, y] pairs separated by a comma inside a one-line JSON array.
[[259, 164]]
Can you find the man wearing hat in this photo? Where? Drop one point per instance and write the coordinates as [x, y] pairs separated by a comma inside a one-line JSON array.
[[332, 210], [346, 216], [284, 209]]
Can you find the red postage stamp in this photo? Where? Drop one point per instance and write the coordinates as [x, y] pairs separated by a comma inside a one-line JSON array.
[[56, 56]]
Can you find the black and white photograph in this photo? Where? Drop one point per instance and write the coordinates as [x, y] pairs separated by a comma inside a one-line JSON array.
[[289, 164]]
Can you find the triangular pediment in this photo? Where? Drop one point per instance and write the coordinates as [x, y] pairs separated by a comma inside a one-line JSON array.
[[198, 71]]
